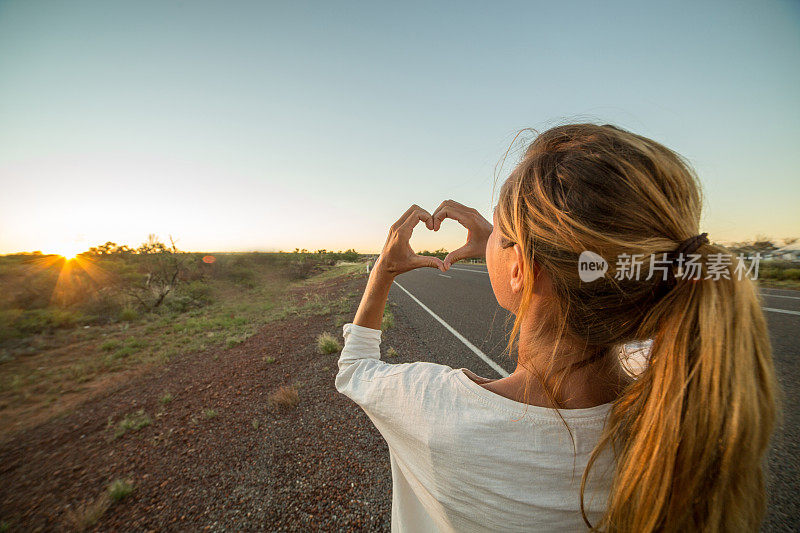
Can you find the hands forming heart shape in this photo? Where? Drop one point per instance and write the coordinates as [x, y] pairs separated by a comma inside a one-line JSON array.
[[398, 257]]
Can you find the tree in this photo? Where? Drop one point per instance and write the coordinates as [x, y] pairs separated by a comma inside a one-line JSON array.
[[161, 267], [762, 244]]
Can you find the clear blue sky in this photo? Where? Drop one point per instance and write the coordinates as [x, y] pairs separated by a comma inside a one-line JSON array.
[[266, 126]]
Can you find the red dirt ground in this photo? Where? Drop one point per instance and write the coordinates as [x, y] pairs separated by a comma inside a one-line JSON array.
[[321, 465]]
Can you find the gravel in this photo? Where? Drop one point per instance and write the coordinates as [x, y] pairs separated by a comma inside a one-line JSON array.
[[321, 465]]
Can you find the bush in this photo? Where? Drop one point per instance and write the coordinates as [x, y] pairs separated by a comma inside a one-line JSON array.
[[301, 269], [769, 273], [119, 489], [328, 344], [132, 422], [177, 304], [34, 321], [128, 314], [199, 292], [792, 274], [285, 397], [105, 304], [110, 345], [349, 256]]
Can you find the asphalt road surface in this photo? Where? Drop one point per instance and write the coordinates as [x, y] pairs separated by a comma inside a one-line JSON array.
[[457, 316]]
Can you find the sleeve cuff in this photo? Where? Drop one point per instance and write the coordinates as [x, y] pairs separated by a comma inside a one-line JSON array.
[[360, 331]]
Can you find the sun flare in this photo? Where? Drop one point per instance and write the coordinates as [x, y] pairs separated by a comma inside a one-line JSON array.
[[68, 250]]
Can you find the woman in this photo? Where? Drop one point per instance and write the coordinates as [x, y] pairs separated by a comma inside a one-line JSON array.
[[569, 441]]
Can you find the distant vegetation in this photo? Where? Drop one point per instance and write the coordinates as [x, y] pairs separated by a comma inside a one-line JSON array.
[[441, 253], [66, 323], [116, 283], [779, 266]]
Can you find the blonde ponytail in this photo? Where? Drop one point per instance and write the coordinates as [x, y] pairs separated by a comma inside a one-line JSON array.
[[691, 432]]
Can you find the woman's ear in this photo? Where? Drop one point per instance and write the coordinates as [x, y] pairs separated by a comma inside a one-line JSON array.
[[517, 265]]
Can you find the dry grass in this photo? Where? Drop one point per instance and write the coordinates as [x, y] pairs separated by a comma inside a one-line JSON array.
[[132, 422], [88, 514], [285, 397], [391, 352], [328, 344]]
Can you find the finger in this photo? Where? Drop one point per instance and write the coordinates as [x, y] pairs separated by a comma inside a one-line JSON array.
[[457, 255], [414, 217], [455, 213], [419, 261], [405, 216]]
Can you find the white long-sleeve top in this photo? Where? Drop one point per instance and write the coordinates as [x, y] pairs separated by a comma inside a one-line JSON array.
[[466, 459]]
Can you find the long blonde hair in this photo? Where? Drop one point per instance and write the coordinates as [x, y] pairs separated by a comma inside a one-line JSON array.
[[690, 433]]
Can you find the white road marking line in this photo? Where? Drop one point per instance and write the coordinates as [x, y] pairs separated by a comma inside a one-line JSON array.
[[780, 296], [448, 277], [786, 311], [469, 270], [497, 368]]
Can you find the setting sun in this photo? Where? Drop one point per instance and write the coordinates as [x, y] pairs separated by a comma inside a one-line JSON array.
[[69, 250]]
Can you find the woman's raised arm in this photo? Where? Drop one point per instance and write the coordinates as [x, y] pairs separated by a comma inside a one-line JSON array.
[[397, 257]]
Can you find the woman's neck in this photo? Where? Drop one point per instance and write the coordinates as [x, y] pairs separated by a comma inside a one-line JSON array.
[[596, 383]]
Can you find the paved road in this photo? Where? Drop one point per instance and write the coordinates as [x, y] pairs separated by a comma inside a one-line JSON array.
[[471, 331]]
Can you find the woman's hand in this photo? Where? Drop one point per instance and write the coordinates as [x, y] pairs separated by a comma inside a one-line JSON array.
[[397, 256], [478, 230]]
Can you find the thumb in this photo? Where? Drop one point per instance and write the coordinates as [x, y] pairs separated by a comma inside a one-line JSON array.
[[457, 255], [428, 261]]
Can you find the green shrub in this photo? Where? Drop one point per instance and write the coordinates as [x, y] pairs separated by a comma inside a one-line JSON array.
[[128, 315], [328, 344], [792, 274], [199, 291], [166, 398], [119, 489], [132, 422], [387, 321], [109, 345], [301, 269], [769, 273], [123, 352], [178, 303], [34, 321], [136, 343]]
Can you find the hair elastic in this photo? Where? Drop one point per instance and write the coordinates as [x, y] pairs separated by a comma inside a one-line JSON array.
[[689, 246]]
